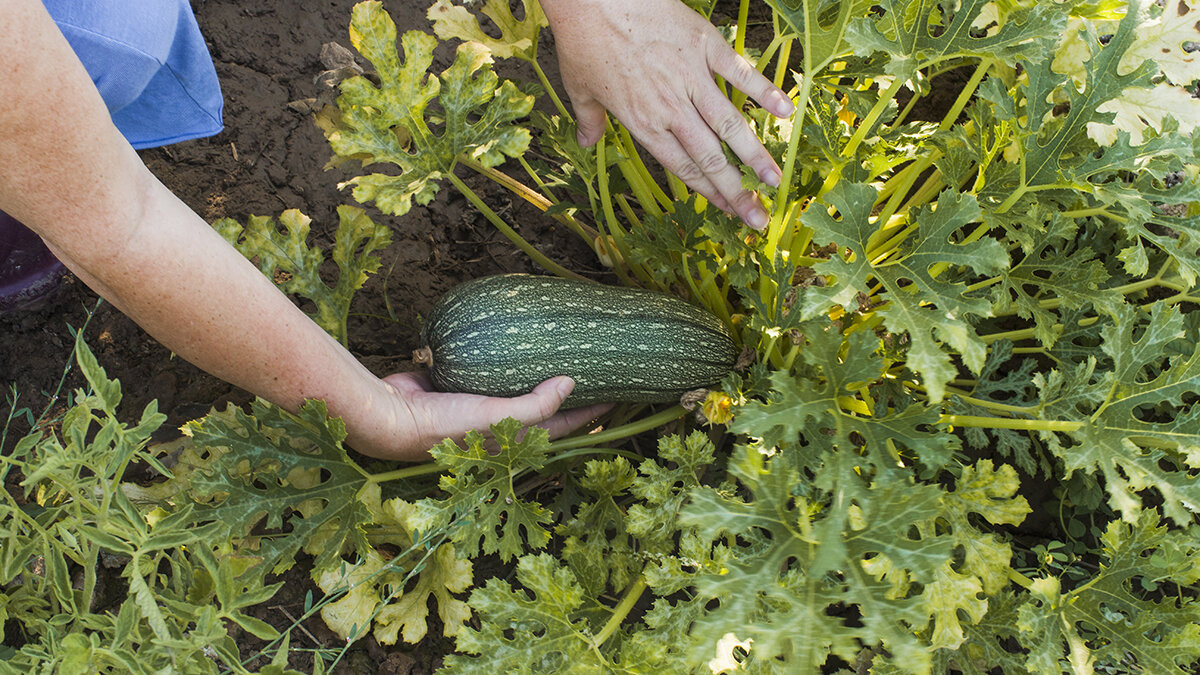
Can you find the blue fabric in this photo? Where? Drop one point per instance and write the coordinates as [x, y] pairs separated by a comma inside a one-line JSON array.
[[149, 63]]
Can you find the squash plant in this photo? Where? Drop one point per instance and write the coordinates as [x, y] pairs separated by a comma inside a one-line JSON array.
[[956, 324], [966, 440]]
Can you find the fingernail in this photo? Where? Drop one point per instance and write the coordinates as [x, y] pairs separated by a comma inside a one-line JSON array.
[[757, 219], [771, 176], [781, 105], [565, 386]]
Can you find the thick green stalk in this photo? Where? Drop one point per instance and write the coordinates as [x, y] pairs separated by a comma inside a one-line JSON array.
[[640, 176], [998, 407], [536, 255], [618, 433], [423, 469], [868, 122], [542, 203], [1010, 423], [779, 217], [739, 45], [619, 256], [785, 54], [541, 75], [632, 595]]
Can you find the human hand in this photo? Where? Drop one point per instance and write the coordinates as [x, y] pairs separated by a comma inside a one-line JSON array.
[[423, 417], [651, 63]]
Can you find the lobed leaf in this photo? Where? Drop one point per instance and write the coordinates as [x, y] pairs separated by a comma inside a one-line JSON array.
[[482, 506], [395, 122]]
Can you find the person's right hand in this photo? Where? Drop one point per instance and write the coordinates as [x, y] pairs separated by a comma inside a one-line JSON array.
[[652, 63], [412, 417]]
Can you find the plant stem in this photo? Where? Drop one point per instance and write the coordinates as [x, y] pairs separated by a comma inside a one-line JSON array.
[[644, 188], [783, 205], [577, 452], [423, 469], [507, 231], [998, 407], [632, 595], [785, 53], [739, 45], [542, 203], [618, 433], [1010, 423], [868, 122], [541, 75], [621, 254]]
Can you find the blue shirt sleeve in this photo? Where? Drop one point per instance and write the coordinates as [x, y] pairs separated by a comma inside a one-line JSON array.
[[150, 64]]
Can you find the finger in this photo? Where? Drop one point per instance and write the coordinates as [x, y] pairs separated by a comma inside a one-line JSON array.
[[590, 120], [566, 421], [723, 118], [538, 405], [665, 147], [737, 71], [701, 144]]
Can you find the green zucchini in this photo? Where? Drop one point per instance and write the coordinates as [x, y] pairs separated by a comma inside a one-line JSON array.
[[502, 335]]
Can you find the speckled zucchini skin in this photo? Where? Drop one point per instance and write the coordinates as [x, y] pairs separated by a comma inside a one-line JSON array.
[[502, 335]]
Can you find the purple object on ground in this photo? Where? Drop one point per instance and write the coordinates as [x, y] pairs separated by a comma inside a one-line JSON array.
[[28, 271]]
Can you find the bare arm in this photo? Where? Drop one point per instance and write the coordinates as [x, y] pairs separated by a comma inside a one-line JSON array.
[[71, 177], [652, 63]]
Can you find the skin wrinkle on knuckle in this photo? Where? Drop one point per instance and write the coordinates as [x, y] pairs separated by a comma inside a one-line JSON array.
[[730, 127], [711, 161], [689, 172]]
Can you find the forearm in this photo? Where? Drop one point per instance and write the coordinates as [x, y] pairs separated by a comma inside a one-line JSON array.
[[72, 178], [199, 297]]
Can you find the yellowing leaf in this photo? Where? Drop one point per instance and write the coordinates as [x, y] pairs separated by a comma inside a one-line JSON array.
[[446, 573], [949, 594], [517, 38], [1162, 39], [398, 612], [1139, 110], [725, 660], [393, 122], [352, 612]]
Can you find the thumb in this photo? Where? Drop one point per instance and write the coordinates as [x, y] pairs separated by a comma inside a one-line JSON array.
[[541, 403], [590, 121]]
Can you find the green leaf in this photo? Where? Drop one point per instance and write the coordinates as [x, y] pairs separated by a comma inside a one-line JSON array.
[[929, 309], [824, 39], [482, 508], [665, 244], [917, 34], [1138, 425], [867, 544], [1107, 621], [1054, 149], [1006, 381], [394, 122], [107, 392], [532, 630], [595, 545], [294, 266], [272, 467], [1055, 271]]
